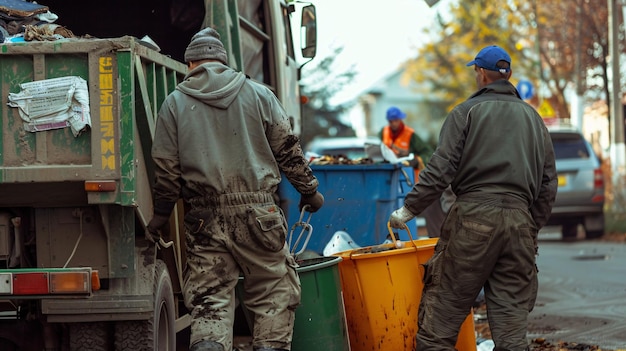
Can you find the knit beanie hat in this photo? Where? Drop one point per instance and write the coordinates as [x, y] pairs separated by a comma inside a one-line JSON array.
[[206, 45]]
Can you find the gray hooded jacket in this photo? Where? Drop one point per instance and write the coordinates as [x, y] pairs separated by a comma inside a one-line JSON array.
[[221, 133]]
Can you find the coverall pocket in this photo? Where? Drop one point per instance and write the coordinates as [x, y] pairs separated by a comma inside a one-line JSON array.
[[476, 230], [267, 225], [195, 220]]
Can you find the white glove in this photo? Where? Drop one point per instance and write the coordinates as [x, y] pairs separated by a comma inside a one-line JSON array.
[[399, 217]]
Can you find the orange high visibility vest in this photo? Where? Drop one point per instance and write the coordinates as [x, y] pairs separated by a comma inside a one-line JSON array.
[[401, 143]]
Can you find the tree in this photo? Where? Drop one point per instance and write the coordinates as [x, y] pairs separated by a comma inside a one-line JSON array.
[[467, 27], [573, 41], [553, 43], [319, 117]]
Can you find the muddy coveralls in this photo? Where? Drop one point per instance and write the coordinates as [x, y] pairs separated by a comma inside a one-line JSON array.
[[221, 143], [496, 153]]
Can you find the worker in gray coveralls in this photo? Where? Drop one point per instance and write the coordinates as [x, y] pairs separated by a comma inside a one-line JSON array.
[[221, 143]]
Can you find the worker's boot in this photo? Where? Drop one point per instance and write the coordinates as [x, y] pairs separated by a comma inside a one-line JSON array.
[[206, 345]]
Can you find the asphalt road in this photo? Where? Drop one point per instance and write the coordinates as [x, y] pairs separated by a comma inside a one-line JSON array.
[[582, 292]]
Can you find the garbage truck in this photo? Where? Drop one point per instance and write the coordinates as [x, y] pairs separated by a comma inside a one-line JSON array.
[[76, 126]]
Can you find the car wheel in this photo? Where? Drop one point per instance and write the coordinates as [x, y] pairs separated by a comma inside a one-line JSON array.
[[594, 226], [594, 234], [569, 231]]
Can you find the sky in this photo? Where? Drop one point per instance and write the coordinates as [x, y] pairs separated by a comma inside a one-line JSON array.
[[377, 37]]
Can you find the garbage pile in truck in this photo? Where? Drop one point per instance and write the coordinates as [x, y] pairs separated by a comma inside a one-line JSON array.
[[24, 21], [28, 21]]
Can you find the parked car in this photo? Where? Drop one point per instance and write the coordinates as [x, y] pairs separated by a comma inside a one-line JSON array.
[[580, 195]]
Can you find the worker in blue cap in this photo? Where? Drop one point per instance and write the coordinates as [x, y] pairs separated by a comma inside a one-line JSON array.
[[495, 151], [403, 140]]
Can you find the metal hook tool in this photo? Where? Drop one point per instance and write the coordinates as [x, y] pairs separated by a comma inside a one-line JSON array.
[[306, 227]]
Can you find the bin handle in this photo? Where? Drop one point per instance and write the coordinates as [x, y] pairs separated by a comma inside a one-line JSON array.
[[406, 177], [379, 248], [306, 227], [397, 242]]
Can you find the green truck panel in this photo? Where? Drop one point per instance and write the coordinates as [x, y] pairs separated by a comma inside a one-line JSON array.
[[126, 81]]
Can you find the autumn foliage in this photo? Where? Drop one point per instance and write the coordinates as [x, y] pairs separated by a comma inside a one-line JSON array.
[[558, 45]]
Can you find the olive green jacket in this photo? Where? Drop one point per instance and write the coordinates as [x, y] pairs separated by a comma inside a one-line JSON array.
[[492, 143]]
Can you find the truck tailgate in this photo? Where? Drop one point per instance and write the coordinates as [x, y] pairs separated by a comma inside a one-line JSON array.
[[127, 82]]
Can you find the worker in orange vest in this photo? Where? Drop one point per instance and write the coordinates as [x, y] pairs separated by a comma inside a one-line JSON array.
[[403, 140]]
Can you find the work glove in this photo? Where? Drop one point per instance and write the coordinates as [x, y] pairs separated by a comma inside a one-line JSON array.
[[416, 162], [315, 201], [153, 230], [399, 218]]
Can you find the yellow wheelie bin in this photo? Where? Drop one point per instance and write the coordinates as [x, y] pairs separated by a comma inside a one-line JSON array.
[[382, 287]]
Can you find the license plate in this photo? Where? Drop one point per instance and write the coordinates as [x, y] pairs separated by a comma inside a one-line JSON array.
[[562, 180]]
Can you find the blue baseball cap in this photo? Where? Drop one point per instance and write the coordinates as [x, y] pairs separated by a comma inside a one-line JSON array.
[[488, 58], [394, 113]]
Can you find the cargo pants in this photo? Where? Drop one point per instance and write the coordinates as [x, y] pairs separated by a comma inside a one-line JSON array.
[[242, 233], [488, 241]]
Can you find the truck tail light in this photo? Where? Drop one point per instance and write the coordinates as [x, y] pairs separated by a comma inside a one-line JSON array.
[[69, 282], [95, 280], [100, 186], [6, 283], [35, 283], [53, 281]]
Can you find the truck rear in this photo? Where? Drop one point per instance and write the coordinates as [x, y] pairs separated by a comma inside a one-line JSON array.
[[73, 204], [76, 271]]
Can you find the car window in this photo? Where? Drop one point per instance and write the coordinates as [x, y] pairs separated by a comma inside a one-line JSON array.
[[569, 146]]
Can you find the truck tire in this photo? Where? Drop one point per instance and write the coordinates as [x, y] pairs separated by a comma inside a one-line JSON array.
[[6, 345], [89, 336], [158, 333]]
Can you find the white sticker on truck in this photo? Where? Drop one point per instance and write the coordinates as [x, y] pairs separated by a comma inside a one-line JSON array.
[[53, 103]]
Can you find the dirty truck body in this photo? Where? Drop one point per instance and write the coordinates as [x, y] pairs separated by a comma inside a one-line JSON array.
[[76, 271]]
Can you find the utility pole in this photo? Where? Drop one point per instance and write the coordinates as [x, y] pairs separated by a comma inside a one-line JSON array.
[[577, 99], [538, 51], [616, 123]]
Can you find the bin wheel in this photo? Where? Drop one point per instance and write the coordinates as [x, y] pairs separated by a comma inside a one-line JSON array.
[[158, 333]]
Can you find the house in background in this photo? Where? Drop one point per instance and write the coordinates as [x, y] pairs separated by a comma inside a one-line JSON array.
[[423, 114]]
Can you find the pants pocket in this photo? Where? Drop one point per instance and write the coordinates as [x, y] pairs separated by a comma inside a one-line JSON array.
[[267, 226], [432, 269]]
